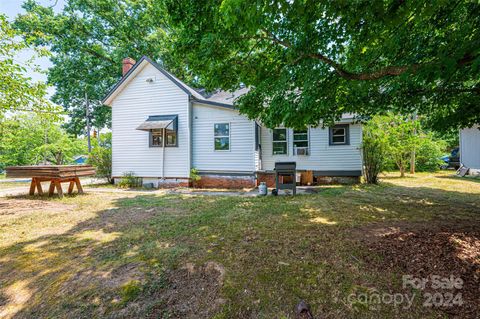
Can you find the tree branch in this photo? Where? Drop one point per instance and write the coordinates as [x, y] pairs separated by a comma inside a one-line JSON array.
[[364, 76], [98, 55]]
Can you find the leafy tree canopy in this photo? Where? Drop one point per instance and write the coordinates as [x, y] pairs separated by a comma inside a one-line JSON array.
[[309, 60], [89, 39], [17, 91], [30, 139]]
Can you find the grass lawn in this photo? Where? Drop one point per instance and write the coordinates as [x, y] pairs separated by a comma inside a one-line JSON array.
[[181, 256]]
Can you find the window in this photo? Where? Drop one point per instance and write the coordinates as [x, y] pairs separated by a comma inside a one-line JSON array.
[[257, 137], [162, 129], [279, 141], [156, 138], [300, 142], [339, 135], [170, 137], [222, 136]]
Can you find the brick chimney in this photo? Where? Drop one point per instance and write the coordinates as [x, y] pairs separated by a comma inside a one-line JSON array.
[[127, 64]]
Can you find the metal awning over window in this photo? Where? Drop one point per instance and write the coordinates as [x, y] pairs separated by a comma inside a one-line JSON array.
[[159, 122]]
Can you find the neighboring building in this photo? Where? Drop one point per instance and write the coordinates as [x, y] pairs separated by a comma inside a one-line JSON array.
[[162, 128], [80, 159], [470, 148]]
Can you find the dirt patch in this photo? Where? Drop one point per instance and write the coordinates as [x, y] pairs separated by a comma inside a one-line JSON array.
[[27, 206], [421, 250], [194, 291], [110, 278]]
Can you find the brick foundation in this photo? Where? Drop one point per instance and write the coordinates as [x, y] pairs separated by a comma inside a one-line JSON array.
[[269, 179], [221, 181]]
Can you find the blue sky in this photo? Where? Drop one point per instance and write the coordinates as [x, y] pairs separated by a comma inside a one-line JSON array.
[[12, 8]]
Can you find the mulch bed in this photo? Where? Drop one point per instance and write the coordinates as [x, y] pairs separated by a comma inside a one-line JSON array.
[[431, 248]]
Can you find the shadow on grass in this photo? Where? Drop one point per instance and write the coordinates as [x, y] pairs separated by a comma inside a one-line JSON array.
[[462, 179], [276, 251]]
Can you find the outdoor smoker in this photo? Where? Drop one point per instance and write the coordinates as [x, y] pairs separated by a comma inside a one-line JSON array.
[[285, 176]]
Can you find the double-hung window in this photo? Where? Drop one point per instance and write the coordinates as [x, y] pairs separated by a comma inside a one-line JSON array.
[[221, 136], [300, 142], [339, 134], [280, 141]]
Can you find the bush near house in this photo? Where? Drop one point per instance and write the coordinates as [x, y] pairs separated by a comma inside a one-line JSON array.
[[101, 156], [398, 137], [129, 180]]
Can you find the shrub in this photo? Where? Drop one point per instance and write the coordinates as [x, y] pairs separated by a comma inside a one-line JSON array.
[[374, 153], [194, 176], [101, 157], [428, 153], [129, 180]]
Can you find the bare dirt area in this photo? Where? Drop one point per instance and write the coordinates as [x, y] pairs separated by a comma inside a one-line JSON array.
[[195, 291], [20, 206], [422, 250]]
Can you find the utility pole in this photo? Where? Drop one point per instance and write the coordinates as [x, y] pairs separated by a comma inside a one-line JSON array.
[[87, 114]]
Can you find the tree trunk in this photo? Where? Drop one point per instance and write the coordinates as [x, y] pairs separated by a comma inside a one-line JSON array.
[[402, 171], [412, 163]]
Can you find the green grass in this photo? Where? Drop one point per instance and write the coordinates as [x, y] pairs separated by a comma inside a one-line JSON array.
[[111, 254]]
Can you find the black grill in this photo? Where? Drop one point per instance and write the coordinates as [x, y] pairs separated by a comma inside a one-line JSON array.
[[285, 176]]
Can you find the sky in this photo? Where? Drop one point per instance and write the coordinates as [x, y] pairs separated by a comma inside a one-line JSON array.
[[11, 8]]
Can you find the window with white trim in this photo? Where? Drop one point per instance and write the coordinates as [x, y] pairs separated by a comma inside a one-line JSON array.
[[279, 141], [221, 136], [340, 135], [300, 142]]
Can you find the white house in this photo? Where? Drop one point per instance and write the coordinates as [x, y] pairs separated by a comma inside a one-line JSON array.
[[162, 128], [470, 148]]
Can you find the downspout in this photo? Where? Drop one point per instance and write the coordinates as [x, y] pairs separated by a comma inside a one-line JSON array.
[[163, 154]]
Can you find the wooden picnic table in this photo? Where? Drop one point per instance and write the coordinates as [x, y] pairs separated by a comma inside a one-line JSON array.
[[55, 174]]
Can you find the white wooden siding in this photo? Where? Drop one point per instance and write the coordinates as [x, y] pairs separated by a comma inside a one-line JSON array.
[[240, 157], [132, 106], [322, 155], [470, 147]]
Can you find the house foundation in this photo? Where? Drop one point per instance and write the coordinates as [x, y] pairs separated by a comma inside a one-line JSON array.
[[308, 178], [225, 181]]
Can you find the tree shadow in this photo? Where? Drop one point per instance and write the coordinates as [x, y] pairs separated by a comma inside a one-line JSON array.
[[462, 179], [117, 263]]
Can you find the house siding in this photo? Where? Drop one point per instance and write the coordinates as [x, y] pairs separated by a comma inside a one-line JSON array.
[[240, 157], [131, 107], [470, 147], [323, 157]]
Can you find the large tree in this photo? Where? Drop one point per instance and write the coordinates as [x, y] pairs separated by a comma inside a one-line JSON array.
[[89, 39], [309, 60], [17, 90]]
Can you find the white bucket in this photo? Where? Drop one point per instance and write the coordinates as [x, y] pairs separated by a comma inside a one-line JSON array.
[[262, 189]]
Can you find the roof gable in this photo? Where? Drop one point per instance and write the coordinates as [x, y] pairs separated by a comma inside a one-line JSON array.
[[221, 98]]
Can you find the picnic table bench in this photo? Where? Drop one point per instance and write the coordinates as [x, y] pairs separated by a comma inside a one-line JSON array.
[[55, 174]]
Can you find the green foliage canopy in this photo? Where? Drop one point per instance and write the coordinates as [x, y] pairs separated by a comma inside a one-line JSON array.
[[30, 139], [89, 39], [309, 60], [398, 137], [17, 91]]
